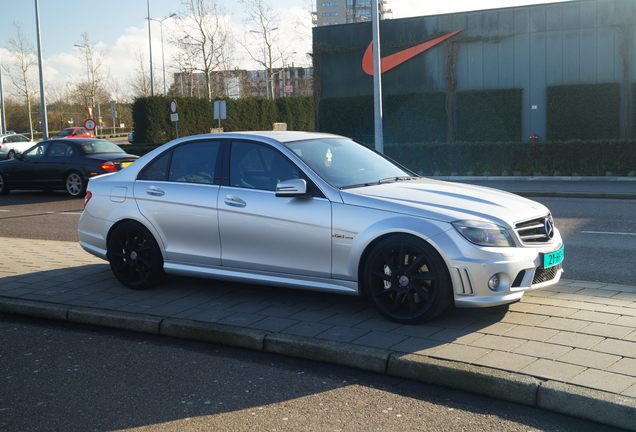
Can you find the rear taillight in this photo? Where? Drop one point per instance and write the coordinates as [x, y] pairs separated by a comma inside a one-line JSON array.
[[108, 167], [87, 198]]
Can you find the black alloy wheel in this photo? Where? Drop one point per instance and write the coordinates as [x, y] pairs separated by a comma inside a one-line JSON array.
[[11, 154], [134, 256], [75, 184], [407, 280], [4, 189]]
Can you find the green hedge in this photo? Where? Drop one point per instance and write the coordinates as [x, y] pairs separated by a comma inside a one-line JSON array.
[[489, 115], [512, 158], [586, 111], [152, 123]]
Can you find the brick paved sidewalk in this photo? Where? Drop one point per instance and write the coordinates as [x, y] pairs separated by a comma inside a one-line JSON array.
[[582, 333]]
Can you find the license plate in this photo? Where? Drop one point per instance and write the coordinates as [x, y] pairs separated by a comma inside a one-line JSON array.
[[553, 258], [125, 164]]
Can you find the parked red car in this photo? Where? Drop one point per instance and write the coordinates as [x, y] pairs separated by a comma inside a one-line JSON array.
[[75, 132]]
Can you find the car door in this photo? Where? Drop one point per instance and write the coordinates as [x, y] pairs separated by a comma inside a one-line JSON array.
[[56, 163], [177, 193], [260, 231], [27, 171]]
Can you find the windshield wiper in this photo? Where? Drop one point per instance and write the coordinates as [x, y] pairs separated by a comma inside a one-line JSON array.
[[396, 179], [383, 180]]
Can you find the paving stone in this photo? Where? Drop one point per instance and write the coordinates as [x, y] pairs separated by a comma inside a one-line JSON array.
[[308, 329], [589, 358], [628, 296], [598, 292], [344, 319], [378, 339], [607, 330], [417, 345], [630, 392], [379, 324], [524, 318], [563, 288], [541, 309], [417, 331], [631, 336], [542, 349], [455, 335], [241, 319], [551, 369], [500, 343], [602, 380], [342, 334], [273, 324], [532, 333], [496, 328], [576, 340], [618, 347], [460, 353], [586, 284], [627, 321], [280, 311], [312, 315], [563, 324], [505, 360], [625, 366], [594, 316]]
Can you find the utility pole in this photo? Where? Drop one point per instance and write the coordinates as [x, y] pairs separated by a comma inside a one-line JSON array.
[[3, 119], [152, 86], [43, 117], [377, 78]]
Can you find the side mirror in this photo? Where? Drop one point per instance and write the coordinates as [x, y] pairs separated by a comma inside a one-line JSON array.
[[295, 188]]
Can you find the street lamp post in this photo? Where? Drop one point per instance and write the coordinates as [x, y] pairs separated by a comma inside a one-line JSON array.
[[152, 86], [163, 61], [3, 119], [43, 116], [377, 78]]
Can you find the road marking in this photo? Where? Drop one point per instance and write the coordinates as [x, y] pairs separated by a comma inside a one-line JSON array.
[[609, 233], [4, 210], [64, 213]]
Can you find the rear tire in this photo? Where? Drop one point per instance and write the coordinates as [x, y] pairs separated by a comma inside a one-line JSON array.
[[11, 154], [407, 280], [134, 256], [75, 184]]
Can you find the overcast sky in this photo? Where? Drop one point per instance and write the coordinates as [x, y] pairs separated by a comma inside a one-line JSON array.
[[120, 29]]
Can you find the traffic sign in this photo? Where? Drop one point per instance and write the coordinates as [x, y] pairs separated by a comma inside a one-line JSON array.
[[89, 124], [220, 110], [173, 107], [174, 117]]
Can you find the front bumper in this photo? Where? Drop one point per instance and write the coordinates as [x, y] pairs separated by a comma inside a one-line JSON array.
[[519, 269]]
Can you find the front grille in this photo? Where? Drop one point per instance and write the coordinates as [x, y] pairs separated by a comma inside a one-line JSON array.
[[534, 231], [544, 275]]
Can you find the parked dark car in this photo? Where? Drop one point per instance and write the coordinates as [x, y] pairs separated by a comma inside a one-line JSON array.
[[62, 164]]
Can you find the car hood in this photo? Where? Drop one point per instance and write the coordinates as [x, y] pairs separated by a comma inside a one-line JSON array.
[[446, 201]]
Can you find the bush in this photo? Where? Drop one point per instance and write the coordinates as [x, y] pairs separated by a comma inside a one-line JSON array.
[[152, 123], [586, 111], [592, 158], [489, 115]]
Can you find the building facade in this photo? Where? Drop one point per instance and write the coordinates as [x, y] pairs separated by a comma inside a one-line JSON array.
[[554, 71], [330, 12]]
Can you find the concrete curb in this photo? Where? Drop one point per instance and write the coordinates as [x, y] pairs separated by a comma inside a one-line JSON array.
[[599, 406], [344, 354], [215, 333], [589, 404], [475, 379]]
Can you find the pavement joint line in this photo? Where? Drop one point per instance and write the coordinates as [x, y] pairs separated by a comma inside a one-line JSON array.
[[600, 406]]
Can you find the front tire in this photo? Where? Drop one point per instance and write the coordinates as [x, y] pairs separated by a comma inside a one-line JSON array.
[[134, 256], [75, 184], [4, 189], [407, 280]]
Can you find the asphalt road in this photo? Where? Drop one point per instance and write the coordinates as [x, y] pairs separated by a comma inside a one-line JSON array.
[[600, 234], [59, 376]]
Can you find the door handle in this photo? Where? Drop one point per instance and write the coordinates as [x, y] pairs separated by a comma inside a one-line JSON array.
[[155, 191], [234, 201]]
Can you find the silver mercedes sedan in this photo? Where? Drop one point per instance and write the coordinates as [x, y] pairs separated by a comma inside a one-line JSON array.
[[322, 212]]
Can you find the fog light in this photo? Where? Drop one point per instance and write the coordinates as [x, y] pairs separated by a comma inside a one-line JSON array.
[[493, 282]]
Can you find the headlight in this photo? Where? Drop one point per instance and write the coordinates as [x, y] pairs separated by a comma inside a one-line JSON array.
[[484, 233]]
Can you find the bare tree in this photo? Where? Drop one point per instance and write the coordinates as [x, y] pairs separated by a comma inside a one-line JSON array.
[[261, 41], [20, 73], [140, 83], [205, 37], [91, 89]]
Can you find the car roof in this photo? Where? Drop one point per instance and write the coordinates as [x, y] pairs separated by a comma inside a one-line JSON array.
[[280, 136]]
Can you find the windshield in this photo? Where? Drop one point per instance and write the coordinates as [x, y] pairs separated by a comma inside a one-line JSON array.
[[343, 163], [99, 146]]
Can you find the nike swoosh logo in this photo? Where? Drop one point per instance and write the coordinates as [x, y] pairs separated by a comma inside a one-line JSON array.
[[389, 62]]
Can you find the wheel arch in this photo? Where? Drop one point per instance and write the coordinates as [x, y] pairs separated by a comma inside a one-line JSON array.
[[149, 227]]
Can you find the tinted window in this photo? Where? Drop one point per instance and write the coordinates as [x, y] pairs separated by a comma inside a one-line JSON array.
[[37, 151], [99, 146], [194, 163], [60, 149], [156, 170], [257, 166]]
